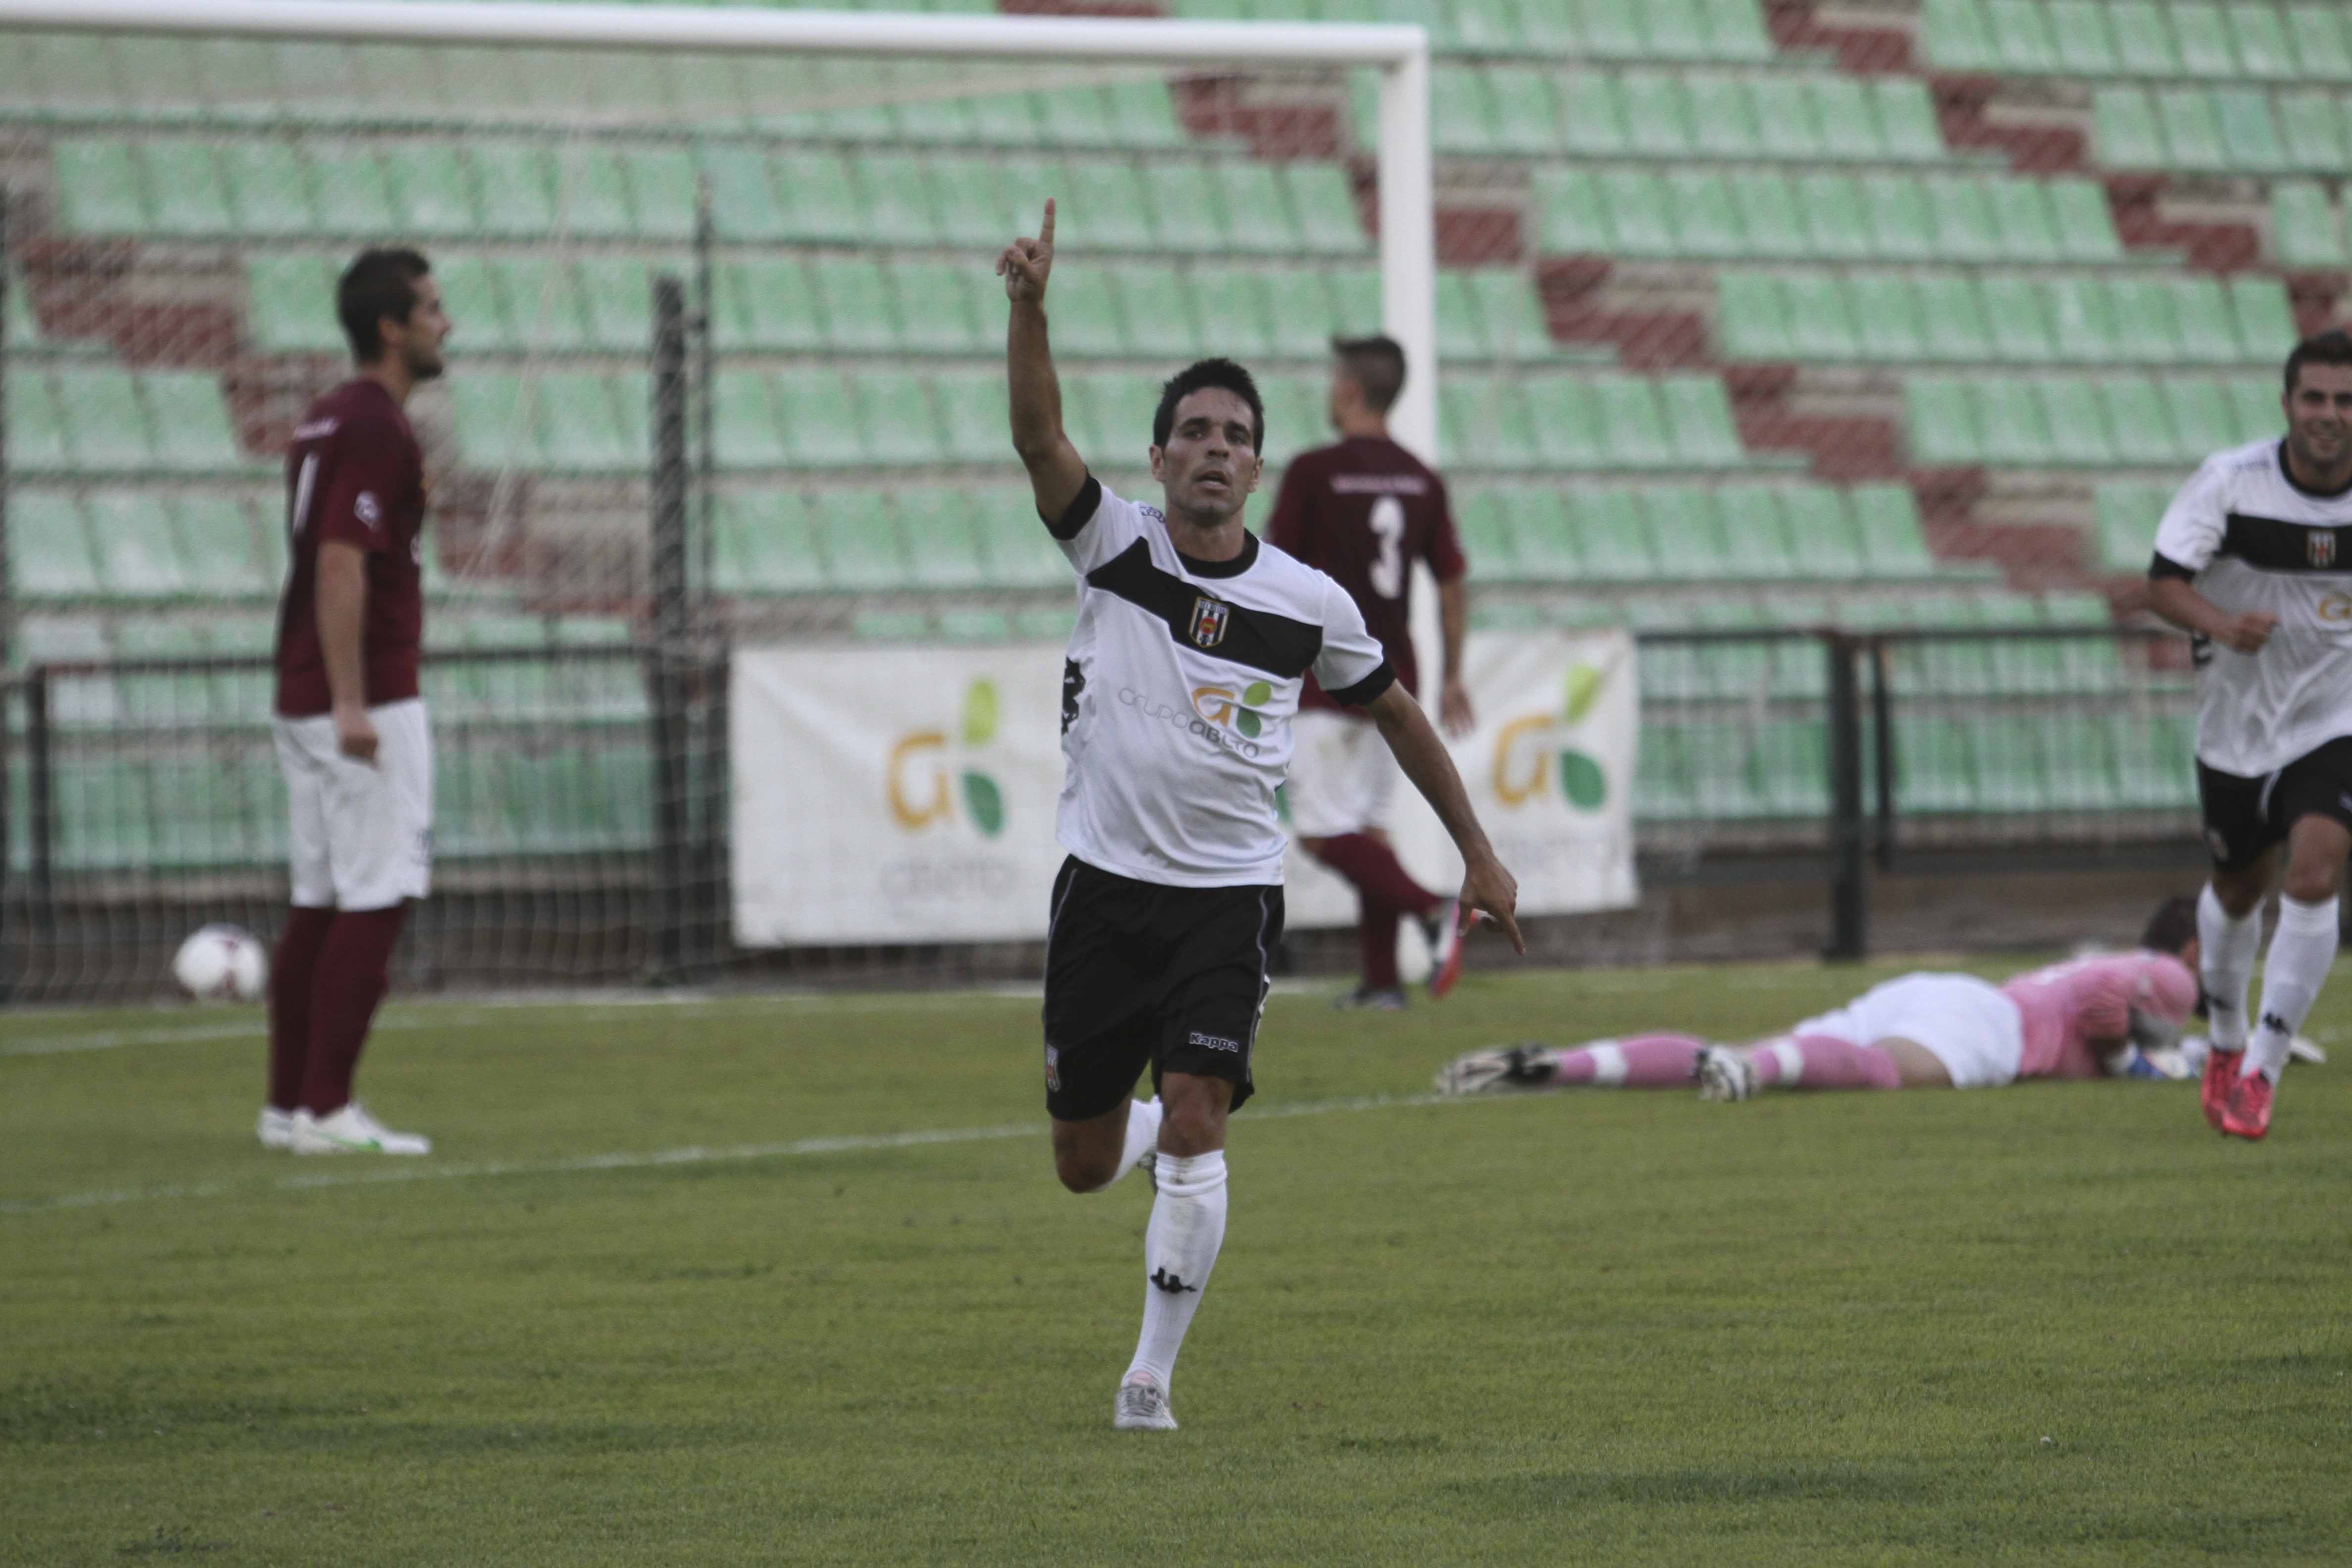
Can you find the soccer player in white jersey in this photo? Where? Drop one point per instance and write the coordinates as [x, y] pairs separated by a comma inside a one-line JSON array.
[[1183, 676], [2253, 558]]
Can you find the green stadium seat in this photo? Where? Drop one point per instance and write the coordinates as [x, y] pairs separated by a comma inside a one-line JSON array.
[[2192, 136], [1356, 295], [2082, 323], [2144, 44], [2078, 422], [1592, 114], [518, 185], [1698, 416], [1965, 229], [2145, 308], [2254, 405], [973, 411], [2323, 43], [1886, 313], [106, 429], [1769, 215], [1788, 122], [1020, 552], [1952, 309], [354, 194], [2086, 225], [2023, 219], [1186, 208], [942, 544], [859, 540], [1154, 309], [100, 187], [1757, 544], [1753, 316], [765, 544], [2201, 415], [48, 546], [1565, 427], [1908, 129], [1835, 215], [2209, 329], [2127, 516], [1544, 538], [2021, 328], [1462, 118], [290, 302], [1845, 109], [1481, 519], [1820, 326], [1071, 116], [433, 191], [616, 295], [1526, 113], [818, 412], [1512, 314], [2312, 130], [2249, 134], [1107, 204], [900, 428], [821, 202], [188, 194], [1822, 538], [2079, 30], [1633, 430], [1635, 201], [743, 205], [1610, 538], [1258, 216], [1325, 209], [1701, 214], [579, 423], [1297, 304], [2203, 39], [2022, 36], [853, 300], [2014, 424], [765, 302], [190, 420], [1685, 531], [1569, 217], [1887, 520], [1723, 116], [2306, 230], [2139, 420], [1902, 222], [131, 533], [1460, 326], [896, 198], [544, 301], [216, 555], [747, 431], [1955, 35], [1657, 112], [1735, 30], [946, 307]]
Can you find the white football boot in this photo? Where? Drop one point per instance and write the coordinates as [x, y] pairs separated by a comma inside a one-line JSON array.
[[351, 1131], [1142, 1406], [276, 1129], [1725, 1074]]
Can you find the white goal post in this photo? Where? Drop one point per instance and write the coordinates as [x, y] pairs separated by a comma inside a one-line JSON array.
[[1399, 53]]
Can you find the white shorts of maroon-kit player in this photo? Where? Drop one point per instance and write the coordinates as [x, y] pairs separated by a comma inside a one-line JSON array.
[[362, 832], [1342, 775]]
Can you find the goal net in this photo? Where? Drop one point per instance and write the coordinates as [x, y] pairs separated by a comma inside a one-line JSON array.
[[822, 460]]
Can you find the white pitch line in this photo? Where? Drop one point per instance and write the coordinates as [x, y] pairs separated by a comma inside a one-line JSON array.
[[117, 1039], [798, 1148]]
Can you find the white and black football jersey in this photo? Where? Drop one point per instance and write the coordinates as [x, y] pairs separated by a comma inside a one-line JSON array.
[[1179, 692], [2252, 540]]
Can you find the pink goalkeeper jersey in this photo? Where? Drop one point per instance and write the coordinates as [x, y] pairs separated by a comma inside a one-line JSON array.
[[2068, 1005]]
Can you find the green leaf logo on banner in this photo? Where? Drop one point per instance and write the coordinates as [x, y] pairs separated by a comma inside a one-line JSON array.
[[979, 713], [1581, 781], [1584, 686], [985, 803]]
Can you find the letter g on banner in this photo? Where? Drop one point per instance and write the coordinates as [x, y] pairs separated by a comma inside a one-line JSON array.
[[908, 809]]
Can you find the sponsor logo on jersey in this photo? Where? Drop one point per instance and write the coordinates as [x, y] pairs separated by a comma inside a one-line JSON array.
[[367, 510], [2320, 542], [1216, 704], [1192, 723], [1212, 1042], [314, 430], [1209, 618]]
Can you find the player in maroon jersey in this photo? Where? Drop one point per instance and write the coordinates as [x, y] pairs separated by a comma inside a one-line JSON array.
[[350, 724], [1364, 510]]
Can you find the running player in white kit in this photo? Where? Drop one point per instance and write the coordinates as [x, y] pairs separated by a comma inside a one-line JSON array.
[[2254, 560]]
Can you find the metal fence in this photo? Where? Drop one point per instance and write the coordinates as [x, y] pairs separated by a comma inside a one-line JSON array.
[[581, 824]]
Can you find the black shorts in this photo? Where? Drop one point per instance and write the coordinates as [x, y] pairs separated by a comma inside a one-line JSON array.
[[2245, 817], [1137, 974]]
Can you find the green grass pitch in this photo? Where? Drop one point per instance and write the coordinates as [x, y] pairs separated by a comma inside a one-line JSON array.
[[2054, 1323]]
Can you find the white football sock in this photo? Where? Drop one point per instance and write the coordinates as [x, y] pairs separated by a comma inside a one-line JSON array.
[[2302, 951], [1179, 1248], [2226, 967], [1142, 1133]]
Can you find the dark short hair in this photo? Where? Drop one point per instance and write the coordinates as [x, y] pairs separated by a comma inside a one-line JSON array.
[[1208, 373], [1375, 364], [2170, 929], [377, 284], [2331, 347]]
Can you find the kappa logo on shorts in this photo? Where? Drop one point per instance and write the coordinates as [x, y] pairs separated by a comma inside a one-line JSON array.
[[1212, 1042], [1209, 619], [2320, 543], [1053, 1070], [2216, 844]]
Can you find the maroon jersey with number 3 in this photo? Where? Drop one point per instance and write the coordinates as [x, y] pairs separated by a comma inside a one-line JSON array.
[[354, 474], [1364, 510]]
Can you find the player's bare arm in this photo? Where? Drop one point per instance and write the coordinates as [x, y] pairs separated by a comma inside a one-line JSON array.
[[2178, 601], [1057, 472], [1454, 710], [342, 611], [1487, 887]]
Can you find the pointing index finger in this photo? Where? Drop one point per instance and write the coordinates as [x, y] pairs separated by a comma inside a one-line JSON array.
[[1045, 229]]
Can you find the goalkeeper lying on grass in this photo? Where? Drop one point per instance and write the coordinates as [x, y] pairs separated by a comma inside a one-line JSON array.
[[2109, 1016]]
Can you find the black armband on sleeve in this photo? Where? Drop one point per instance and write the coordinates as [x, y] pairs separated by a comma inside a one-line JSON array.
[[1367, 690], [2166, 566], [1078, 513]]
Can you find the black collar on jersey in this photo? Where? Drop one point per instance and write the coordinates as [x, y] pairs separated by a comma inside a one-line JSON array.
[[2286, 472], [1233, 568], [1258, 638]]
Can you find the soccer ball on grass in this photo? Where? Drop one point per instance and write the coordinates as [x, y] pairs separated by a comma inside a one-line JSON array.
[[221, 963]]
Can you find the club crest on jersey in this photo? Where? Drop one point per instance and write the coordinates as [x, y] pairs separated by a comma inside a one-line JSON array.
[[2321, 544], [1209, 618]]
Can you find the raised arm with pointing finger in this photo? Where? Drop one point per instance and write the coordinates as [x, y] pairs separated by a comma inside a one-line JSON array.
[[1056, 470]]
